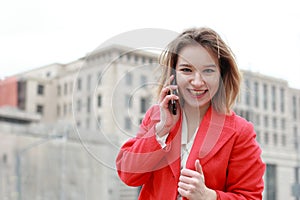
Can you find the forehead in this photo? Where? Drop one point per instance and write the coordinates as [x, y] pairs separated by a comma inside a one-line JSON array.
[[196, 55]]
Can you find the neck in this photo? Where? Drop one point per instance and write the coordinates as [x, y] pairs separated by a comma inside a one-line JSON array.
[[195, 114], [194, 117]]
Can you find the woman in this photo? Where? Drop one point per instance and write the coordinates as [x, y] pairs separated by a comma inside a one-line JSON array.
[[203, 150]]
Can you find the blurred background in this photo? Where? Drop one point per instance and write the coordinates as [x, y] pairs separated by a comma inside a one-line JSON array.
[[78, 76]]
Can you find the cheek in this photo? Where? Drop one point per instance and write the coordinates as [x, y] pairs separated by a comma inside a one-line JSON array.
[[213, 84], [181, 83], [180, 80]]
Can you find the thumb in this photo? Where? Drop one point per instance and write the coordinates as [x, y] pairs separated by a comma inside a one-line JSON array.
[[198, 167]]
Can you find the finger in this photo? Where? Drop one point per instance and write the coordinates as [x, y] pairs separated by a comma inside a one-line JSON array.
[[183, 193], [185, 179], [166, 97], [183, 185], [165, 90], [189, 173], [198, 167]]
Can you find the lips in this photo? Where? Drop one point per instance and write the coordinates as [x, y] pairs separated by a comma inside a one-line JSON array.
[[197, 93]]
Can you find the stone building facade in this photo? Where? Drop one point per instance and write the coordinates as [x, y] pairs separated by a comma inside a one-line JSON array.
[[87, 108]]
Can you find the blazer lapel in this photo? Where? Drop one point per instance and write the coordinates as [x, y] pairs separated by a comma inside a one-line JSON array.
[[215, 130]]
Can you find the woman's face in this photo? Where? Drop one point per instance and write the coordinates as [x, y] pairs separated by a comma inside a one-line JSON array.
[[198, 76]]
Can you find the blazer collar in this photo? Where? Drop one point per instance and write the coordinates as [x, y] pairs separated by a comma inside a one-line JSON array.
[[214, 131]]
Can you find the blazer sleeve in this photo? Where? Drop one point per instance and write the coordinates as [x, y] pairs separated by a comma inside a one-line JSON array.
[[141, 155], [245, 168]]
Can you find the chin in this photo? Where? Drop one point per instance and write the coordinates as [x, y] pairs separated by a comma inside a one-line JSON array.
[[197, 104]]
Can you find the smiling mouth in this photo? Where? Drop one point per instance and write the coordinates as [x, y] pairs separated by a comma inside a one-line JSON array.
[[197, 93]]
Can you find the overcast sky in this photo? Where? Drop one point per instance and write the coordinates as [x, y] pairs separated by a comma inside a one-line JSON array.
[[264, 35]]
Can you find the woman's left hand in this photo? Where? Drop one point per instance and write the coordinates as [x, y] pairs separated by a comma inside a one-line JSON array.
[[192, 184]]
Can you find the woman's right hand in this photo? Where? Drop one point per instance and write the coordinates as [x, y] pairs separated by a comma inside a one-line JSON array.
[[167, 119]]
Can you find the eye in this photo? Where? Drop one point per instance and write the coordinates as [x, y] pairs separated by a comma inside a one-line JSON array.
[[209, 70], [186, 69]]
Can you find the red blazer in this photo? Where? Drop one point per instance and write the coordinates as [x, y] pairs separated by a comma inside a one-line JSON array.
[[225, 145]]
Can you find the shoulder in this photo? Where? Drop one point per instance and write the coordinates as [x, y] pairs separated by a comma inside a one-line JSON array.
[[239, 123], [244, 130]]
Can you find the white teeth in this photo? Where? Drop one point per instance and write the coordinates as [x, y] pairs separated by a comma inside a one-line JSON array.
[[197, 93]]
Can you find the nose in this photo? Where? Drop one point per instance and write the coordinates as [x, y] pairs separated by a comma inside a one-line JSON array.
[[197, 79]]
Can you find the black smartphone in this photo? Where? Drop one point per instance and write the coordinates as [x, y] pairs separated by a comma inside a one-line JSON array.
[[173, 103]]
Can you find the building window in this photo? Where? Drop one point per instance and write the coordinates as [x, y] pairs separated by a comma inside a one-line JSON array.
[[274, 98], [136, 58], [4, 158], [299, 104], [99, 101], [266, 121], [258, 136], [282, 102], [65, 89], [140, 120], [78, 105], [283, 140], [128, 101], [275, 138], [297, 175], [40, 89], [266, 138], [71, 87], [296, 139], [65, 109], [40, 109], [89, 81], [283, 124], [58, 90], [127, 123], [70, 108], [271, 182], [294, 108], [265, 96], [143, 105], [58, 110], [78, 84], [88, 104], [247, 116], [128, 78], [257, 120], [256, 94], [274, 122], [128, 56]]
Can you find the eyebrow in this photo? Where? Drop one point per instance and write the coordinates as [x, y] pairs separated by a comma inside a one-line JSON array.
[[189, 65]]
